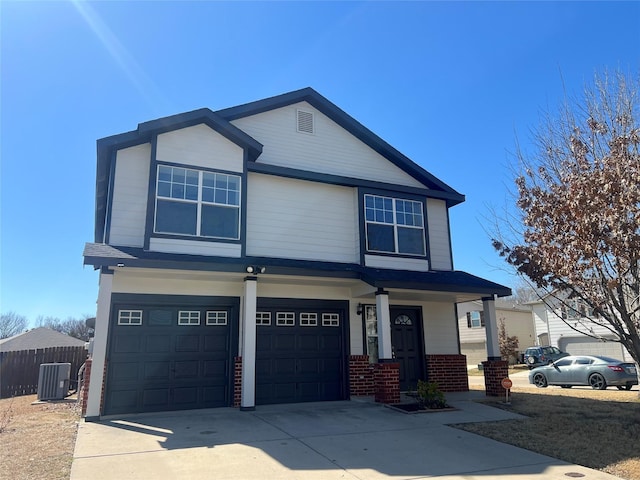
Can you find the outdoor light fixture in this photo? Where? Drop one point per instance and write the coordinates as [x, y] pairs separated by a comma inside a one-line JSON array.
[[256, 270], [359, 309]]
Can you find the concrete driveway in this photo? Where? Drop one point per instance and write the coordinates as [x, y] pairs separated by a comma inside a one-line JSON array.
[[354, 440]]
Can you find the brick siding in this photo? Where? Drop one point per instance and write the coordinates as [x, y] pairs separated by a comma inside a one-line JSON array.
[[83, 395], [448, 371], [387, 382], [361, 382], [494, 372], [237, 382]]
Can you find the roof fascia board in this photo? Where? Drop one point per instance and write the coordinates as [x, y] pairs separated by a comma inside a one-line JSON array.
[[451, 199], [107, 256], [208, 117]]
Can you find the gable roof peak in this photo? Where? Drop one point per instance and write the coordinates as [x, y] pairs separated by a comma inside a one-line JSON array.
[[351, 125]]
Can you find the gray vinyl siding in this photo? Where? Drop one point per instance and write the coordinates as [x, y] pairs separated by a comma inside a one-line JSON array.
[[130, 186], [440, 336], [199, 146], [439, 240], [330, 149], [195, 247], [301, 220]]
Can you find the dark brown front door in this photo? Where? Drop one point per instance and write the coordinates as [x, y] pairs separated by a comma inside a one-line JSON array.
[[406, 340]]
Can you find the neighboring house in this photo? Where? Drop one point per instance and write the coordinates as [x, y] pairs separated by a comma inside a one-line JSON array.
[[471, 325], [38, 338], [553, 322], [273, 252]]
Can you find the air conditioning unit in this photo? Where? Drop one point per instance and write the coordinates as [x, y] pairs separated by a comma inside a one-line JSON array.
[[53, 381]]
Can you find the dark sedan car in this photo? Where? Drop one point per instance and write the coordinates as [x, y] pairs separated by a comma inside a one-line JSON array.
[[595, 371]]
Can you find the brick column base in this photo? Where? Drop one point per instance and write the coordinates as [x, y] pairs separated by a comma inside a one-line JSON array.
[[494, 372], [448, 371], [361, 381], [387, 382], [237, 381], [83, 394]]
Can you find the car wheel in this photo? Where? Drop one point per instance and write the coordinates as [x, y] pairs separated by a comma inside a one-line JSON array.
[[597, 382], [532, 360], [625, 387], [539, 380]]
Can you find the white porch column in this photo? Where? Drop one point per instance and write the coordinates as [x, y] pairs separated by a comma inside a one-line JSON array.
[[491, 328], [248, 397], [103, 313], [385, 351]]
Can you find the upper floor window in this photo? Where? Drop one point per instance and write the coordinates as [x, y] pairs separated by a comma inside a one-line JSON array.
[[575, 308], [475, 319], [394, 225], [197, 203]]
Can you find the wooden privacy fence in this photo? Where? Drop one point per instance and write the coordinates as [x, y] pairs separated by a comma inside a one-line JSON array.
[[19, 370]]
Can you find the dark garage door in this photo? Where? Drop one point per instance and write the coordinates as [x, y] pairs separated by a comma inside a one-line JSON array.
[[300, 353], [170, 357]]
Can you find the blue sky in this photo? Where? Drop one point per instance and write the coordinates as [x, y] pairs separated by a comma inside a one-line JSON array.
[[449, 84]]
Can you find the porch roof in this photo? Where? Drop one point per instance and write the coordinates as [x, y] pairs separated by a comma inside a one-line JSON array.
[[104, 256]]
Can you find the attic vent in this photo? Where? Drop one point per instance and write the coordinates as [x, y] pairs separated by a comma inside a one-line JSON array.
[[305, 122]]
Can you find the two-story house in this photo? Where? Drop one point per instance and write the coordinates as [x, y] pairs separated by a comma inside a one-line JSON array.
[[570, 325], [273, 252]]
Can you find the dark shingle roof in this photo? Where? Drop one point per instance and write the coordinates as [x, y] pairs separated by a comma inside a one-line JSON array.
[[40, 337], [101, 255]]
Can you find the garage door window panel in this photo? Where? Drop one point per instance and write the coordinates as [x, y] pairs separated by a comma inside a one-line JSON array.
[[285, 319], [308, 319], [263, 318], [216, 317], [330, 320], [130, 317], [188, 317], [160, 318]]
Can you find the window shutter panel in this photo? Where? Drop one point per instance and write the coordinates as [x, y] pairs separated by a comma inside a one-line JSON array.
[[482, 319], [468, 319]]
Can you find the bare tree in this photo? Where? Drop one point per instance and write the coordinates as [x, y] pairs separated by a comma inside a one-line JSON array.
[[12, 324], [575, 231], [508, 344], [74, 327]]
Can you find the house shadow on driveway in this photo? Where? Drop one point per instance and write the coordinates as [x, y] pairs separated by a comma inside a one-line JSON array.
[[333, 440]]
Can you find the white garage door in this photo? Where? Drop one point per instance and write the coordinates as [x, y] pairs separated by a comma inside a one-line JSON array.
[[590, 346]]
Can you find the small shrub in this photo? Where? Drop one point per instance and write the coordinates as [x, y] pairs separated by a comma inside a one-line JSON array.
[[5, 416], [430, 395]]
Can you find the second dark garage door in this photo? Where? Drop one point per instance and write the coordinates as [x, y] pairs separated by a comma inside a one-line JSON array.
[[300, 353]]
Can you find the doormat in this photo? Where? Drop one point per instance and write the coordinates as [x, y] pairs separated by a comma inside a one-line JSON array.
[[415, 408]]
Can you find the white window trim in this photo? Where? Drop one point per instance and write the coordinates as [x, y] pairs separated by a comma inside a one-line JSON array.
[[263, 318], [308, 319], [199, 202], [473, 320], [126, 317], [330, 319], [395, 226], [283, 318], [191, 315], [216, 317]]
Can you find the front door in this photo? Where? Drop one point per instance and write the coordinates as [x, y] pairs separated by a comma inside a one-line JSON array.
[[406, 340]]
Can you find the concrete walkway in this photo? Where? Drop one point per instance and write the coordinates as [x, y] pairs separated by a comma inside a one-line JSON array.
[[354, 440]]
